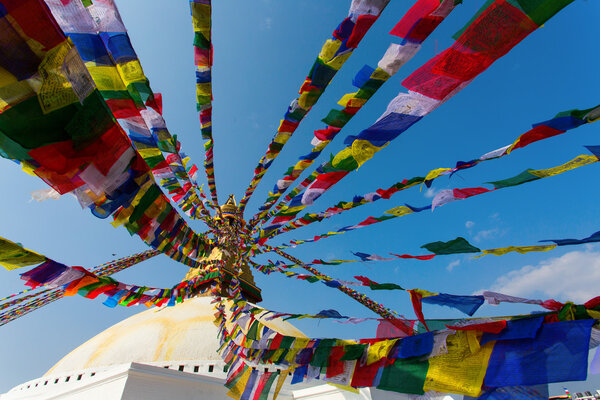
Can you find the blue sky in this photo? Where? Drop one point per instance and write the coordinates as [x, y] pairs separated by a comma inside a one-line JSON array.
[[263, 50]]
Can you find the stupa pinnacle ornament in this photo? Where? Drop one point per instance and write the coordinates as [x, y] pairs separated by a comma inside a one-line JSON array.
[[230, 208]]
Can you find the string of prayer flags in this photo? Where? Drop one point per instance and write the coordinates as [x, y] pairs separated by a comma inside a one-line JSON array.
[[77, 280], [31, 302], [577, 118], [455, 360], [466, 304], [454, 246], [334, 53], [445, 197], [368, 81], [593, 238], [76, 110], [78, 147], [114, 67], [499, 28], [378, 286], [203, 58]]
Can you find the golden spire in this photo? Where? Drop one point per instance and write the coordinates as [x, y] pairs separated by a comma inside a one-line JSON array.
[[230, 208]]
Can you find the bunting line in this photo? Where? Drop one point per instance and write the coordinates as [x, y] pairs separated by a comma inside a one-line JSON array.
[[368, 81], [561, 123], [334, 53], [492, 34], [203, 55], [450, 195]]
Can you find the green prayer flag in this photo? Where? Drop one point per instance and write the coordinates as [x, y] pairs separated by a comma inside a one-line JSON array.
[[253, 331], [200, 41], [321, 355], [579, 114], [287, 342], [27, 125], [523, 177], [264, 394], [146, 201], [353, 352], [541, 11], [455, 246], [91, 121], [385, 286], [337, 118], [404, 376]]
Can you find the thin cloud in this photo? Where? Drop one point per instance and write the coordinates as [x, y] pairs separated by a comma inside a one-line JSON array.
[[469, 224], [266, 24], [487, 234], [453, 264], [575, 276], [430, 193]]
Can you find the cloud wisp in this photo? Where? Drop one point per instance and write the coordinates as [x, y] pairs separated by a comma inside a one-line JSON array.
[[575, 276]]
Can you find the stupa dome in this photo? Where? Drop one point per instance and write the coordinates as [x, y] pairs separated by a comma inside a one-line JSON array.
[[184, 332]]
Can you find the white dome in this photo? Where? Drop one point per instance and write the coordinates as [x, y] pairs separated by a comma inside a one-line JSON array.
[[183, 332]]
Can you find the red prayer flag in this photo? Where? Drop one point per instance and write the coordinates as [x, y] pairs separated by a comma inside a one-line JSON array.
[[361, 27], [420, 9]]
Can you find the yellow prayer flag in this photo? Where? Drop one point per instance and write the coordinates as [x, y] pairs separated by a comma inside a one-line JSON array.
[[131, 72], [339, 60], [200, 16], [363, 150], [291, 355], [577, 162], [277, 354], [399, 211], [425, 293], [28, 168], [280, 381], [321, 145], [345, 99], [379, 350], [300, 343], [462, 369], [593, 314], [434, 173], [237, 390], [6, 78], [16, 92], [204, 89], [13, 255], [380, 74], [149, 152], [520, 249], [106, 78], [328, 50], [333, 233], [56, 92]]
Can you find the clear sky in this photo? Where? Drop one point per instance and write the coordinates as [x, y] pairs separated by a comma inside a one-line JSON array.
[[262, 52]]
